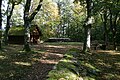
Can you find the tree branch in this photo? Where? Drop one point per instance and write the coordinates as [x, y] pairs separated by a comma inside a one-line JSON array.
[[9, 16], [31, 17]]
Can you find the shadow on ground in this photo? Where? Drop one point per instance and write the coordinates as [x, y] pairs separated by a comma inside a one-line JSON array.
[[108, 62], [34, 65]]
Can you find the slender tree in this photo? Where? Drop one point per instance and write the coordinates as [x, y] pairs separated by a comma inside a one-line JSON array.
[[104, 17], [9, 14], [10, 8], [0, 23], [105, 28], [113, 28], [27, 22]]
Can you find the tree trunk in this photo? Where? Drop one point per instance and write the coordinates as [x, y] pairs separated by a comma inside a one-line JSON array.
[[113, 28], [114, 40], [26, 26], [105, 28], [60, 24], [86, 46], [88, 37], [27, 36], [9, 14], [87, 26], [0, 24], [6, 33], [27, 22], [114, 31]]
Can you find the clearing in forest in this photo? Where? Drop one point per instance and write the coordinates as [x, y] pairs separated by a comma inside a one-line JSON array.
[[35, 65]]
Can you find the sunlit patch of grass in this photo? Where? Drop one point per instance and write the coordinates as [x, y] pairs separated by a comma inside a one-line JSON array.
[[63, 43], [35, 59], [88, 78], [54, 46], [63, 74], [40, 51], [117, 64], [2, 57], [88, 65], [68, 56], [65, 64], [23, 63]]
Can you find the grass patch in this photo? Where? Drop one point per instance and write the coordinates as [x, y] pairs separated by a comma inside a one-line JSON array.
[[63, 74], [63, 43]]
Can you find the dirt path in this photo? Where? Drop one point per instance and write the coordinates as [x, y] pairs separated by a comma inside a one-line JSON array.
[[50, 57]]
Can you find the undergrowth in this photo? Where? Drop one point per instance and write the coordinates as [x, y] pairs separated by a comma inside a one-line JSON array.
[[72, 67]]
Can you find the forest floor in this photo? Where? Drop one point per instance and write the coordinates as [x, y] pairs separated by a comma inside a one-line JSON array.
[[16, 64], [52, 53]]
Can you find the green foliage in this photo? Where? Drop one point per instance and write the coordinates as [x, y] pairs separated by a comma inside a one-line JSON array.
[[19, 30], [16, 30], [64, 74], [48, 30], [97, 33], [75, 33], [53, 16], [75, 30]]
